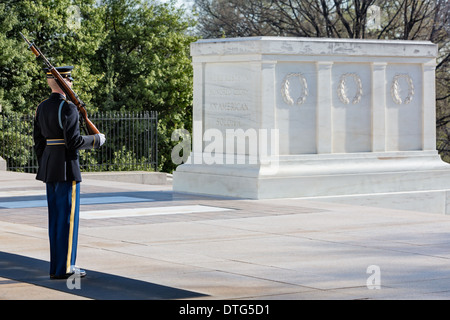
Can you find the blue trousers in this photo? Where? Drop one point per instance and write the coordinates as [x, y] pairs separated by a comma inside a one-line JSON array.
[[63, 200]]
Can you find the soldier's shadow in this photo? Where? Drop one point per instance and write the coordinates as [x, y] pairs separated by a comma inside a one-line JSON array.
[[96, 285]]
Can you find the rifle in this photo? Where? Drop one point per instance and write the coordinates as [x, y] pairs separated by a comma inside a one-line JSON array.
[[70, 94]]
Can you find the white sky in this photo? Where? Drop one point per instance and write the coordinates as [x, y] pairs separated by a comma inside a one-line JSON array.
[[187, 3]]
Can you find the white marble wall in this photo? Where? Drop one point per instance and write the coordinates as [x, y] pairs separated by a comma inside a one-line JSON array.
[[348, 99], [338, 96]]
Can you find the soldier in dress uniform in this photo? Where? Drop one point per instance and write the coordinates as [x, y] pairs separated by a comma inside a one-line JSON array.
[[57, 140]]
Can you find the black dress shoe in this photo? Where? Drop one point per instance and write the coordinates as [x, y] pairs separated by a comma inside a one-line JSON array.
[[81, 273]]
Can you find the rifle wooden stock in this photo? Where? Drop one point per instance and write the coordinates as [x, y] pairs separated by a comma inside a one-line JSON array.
[[70, 94]]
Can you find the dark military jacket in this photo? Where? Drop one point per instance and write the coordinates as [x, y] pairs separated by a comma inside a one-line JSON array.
[[57, 140]]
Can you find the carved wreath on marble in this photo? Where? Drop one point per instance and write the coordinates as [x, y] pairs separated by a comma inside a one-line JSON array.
[[342, 89], [287, 84], [395, 89]]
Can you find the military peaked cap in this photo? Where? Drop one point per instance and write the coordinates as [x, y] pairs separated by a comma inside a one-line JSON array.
[[65, 72]]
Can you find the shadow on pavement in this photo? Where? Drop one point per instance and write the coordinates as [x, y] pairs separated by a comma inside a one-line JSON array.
[[96, 285]]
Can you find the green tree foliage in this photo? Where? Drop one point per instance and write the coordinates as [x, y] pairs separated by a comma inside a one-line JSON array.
[[128, 55], [46, 23], [145, 65]]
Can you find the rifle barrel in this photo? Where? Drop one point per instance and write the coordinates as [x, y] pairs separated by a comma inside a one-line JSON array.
[[26, 40]]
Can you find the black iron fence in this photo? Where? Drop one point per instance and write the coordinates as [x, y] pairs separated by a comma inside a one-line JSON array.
[[131, 143]]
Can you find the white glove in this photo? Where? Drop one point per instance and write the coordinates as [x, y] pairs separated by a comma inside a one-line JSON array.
[[102, 139]]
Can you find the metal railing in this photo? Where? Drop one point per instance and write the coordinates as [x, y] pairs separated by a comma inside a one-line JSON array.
[[131, 143]]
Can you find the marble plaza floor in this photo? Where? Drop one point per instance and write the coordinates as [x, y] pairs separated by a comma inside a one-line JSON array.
[[141, 241]]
